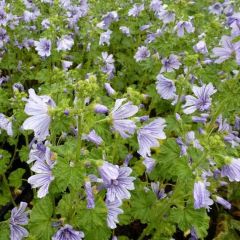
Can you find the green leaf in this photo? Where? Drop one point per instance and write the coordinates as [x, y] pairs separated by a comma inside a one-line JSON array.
[[4, 230], [40, 219], [186, 218], [4, 160], [15, 178], [92, 221]]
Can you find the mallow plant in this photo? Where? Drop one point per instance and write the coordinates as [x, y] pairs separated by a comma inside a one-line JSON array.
[[119, 119]]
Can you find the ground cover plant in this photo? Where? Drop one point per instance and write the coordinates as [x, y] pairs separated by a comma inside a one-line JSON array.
[[119, 119]]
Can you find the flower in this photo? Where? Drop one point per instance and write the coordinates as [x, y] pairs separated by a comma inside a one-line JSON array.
[[136, 10], [4, 38], [200, 47], [108, 19], [201, 195], [113, 212], [6, 124], [105, 37], [149, 135], [184, 25], [232, 170], [89, 193], [117, 181], [141, 54], [43, 178], [125, 30], [171, 63], [18, 217], [99, 108], [68, 233], [156, 6], [109, 89], [226, 50], [165, 87], [216, 8], [166, 16], [38, 108], [223, 202], [43, 47], [149, 164], [93, 137], [65, 43], [202, 101], [119, 114]]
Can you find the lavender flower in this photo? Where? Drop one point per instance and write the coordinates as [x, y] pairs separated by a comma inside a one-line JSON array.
[[226, 50], [38, 108], [160, 193], [93, 137], [142, 54], [43, 47], [216, 8], [171, 63], [165, 87], [190, 139], [18, 217], [136, 10], [108, 19], [3, 37], [202, 101], [201, 195], [117, 181], [113, 212], [149, 135], [3, 17], [184, 26], [109, 89], [200, 119], [149, 164], [99, 108], [105, 37], [65, 43], [156, 6], [68, 233], [119, 114], [232, 170], [6, 124], [223, 202], [89, 193], [200, 47], [43, 169], [125, 30], [182, 146], [166, 16]]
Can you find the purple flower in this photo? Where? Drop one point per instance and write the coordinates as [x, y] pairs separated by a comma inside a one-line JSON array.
[[3, 37], [165, 87], [108, 19], [160, 193], [141, 54], [184, 26], [99, 108], [66, 64], [119, 114], [43, 47], [6, 124], [201, 195], [226, 51], [113, 212], [156, 6], [149, 164], [68, 233], [105, 37], [38, 108], [237, 123], [223, 202], [136, 10], [125, 30], [149, 135], [43, 176], [171, 63], [65, 43], [232, 170], [89, 193], [190, 139], [234, 22], [182, 146], [202, 119], [216, 8], [93, 137], [202, 101], [109, 89], [117, 181], [3, 17], [18, 217], [166, 16], [200, 47]]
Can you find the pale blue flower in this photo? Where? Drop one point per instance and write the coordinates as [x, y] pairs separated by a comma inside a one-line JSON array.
[[6, 124], [68, 233], [93, 137], [232, 170], [18, 217], [183, 26], [223, 202], [43, 47], [119, 114], [38, 108], [105, 37], [65, 43], [113, 212], [136, 10], [89, 193], [170, 63], [165, 87], [149, 136], [142, 54]]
